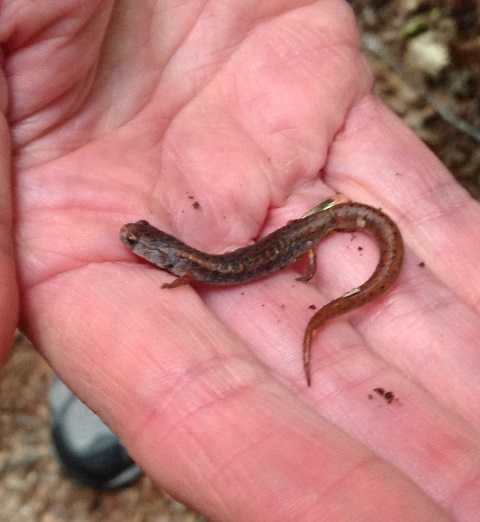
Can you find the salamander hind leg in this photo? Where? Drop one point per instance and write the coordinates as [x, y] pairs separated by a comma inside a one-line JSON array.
[[311, 266]]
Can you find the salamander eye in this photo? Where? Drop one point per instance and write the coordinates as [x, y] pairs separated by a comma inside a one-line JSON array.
[[130, 238], [128, 235]]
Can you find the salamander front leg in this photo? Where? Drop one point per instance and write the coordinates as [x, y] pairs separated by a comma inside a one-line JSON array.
[[185, 279]]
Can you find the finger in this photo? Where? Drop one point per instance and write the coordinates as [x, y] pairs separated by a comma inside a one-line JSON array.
[[8, 282], [391, 168], [440, 223]]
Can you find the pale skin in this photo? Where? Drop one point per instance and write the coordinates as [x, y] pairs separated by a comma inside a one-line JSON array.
[[126, 111]]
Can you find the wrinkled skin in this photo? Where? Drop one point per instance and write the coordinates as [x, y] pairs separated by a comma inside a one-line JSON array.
[[257, 111]]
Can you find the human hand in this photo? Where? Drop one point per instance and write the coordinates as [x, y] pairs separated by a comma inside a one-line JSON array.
[[142, 112]]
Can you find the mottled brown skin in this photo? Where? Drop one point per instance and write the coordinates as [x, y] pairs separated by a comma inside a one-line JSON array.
[[276, 251]]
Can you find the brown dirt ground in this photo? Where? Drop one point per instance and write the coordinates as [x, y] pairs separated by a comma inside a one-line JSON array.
[[426, 58]]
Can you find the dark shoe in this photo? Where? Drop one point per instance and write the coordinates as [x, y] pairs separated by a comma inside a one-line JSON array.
[[88, 452]]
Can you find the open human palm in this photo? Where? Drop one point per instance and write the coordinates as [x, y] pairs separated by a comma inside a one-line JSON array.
[[218, 124]]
